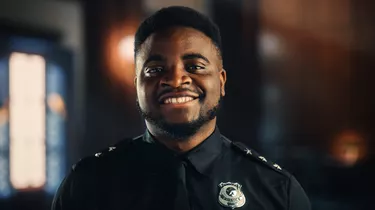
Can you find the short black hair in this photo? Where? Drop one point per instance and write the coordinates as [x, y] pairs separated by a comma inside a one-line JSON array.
[[177, 16]]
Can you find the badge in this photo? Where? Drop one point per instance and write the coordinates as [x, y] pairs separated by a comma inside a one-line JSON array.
[[231, 195]]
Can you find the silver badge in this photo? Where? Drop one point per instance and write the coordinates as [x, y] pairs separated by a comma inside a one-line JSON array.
[[231, 195]]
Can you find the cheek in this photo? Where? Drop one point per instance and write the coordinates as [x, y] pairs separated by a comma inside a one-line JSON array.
[[141, 95], [145, 96], [212, 92], [213, 89]]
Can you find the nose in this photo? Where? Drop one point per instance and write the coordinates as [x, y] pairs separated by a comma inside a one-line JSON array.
[[176, 77]]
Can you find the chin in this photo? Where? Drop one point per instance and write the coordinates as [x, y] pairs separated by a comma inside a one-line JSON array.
[[178, 120], [180, 116]]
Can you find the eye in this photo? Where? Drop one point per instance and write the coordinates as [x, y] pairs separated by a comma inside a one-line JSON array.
[[193, 67], [154, 70]]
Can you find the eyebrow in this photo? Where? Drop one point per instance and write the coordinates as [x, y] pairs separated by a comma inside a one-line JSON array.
[[157, 57], [194, 56], [152, 58]]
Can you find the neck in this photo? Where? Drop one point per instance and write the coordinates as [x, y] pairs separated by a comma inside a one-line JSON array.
[[186, 144]]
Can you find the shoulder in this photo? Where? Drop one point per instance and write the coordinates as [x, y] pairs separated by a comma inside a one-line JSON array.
[[105, 156], [272, 173], [255, 158], [82, 182]]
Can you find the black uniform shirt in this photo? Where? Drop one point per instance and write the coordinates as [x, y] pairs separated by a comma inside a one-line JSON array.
[[143, 174]]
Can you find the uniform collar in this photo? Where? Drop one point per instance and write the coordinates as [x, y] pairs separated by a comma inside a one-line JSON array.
[[199, 157]]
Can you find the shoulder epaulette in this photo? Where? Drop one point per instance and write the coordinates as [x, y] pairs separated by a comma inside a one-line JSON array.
[[253, 154], [118, 146], [84, 164], [91, 161]]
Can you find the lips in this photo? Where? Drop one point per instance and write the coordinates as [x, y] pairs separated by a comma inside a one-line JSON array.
[[177, 98]]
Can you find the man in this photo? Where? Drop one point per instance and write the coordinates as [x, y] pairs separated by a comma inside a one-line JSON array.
[[181, 161]]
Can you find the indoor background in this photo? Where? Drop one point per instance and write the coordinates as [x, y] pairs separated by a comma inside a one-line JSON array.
[[299, 91]]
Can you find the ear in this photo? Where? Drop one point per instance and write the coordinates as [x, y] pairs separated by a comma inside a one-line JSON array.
[[223, 79], [135, 81]]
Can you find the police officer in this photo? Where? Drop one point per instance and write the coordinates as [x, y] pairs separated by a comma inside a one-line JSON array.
[[181, 161]]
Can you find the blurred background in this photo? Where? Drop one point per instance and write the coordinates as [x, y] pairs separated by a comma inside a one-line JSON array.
[[300, 90]]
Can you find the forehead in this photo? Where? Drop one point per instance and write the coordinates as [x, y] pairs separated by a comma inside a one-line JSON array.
[[176, 41]]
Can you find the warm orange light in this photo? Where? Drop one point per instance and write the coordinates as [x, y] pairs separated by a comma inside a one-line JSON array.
[[27, 120], [3, 114], [126, 48], [119, 54], [56, 103], [349, 147]]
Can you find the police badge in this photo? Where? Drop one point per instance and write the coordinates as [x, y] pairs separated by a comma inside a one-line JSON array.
[[231, 195]]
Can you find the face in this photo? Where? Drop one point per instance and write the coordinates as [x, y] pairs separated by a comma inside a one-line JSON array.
[[179, 80]]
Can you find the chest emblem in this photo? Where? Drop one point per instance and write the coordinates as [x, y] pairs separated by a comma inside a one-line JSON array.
[[230, 195]]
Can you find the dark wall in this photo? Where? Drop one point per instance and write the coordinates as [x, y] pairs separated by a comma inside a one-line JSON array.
[[241, 113], [110, 109]]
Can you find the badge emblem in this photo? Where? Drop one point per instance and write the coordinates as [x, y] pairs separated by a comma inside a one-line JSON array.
[[231, 195]]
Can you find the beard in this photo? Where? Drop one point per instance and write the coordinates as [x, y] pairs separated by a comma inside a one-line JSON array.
[[181, 131]]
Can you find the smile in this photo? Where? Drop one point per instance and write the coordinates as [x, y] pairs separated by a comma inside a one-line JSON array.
[[177, 100]]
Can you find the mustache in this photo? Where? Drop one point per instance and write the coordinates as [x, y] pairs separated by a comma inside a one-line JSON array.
[[176, 90]]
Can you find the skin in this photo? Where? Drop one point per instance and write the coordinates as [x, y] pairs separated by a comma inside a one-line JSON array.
[[171, 60]]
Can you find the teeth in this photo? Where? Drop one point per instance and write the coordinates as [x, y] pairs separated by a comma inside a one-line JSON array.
[[178, 100]]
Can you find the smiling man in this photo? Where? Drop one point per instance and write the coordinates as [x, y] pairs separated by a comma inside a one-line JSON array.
[[182, 161], [180, 81]]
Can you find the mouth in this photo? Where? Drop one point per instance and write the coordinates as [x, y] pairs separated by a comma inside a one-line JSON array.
[[177, 98]]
